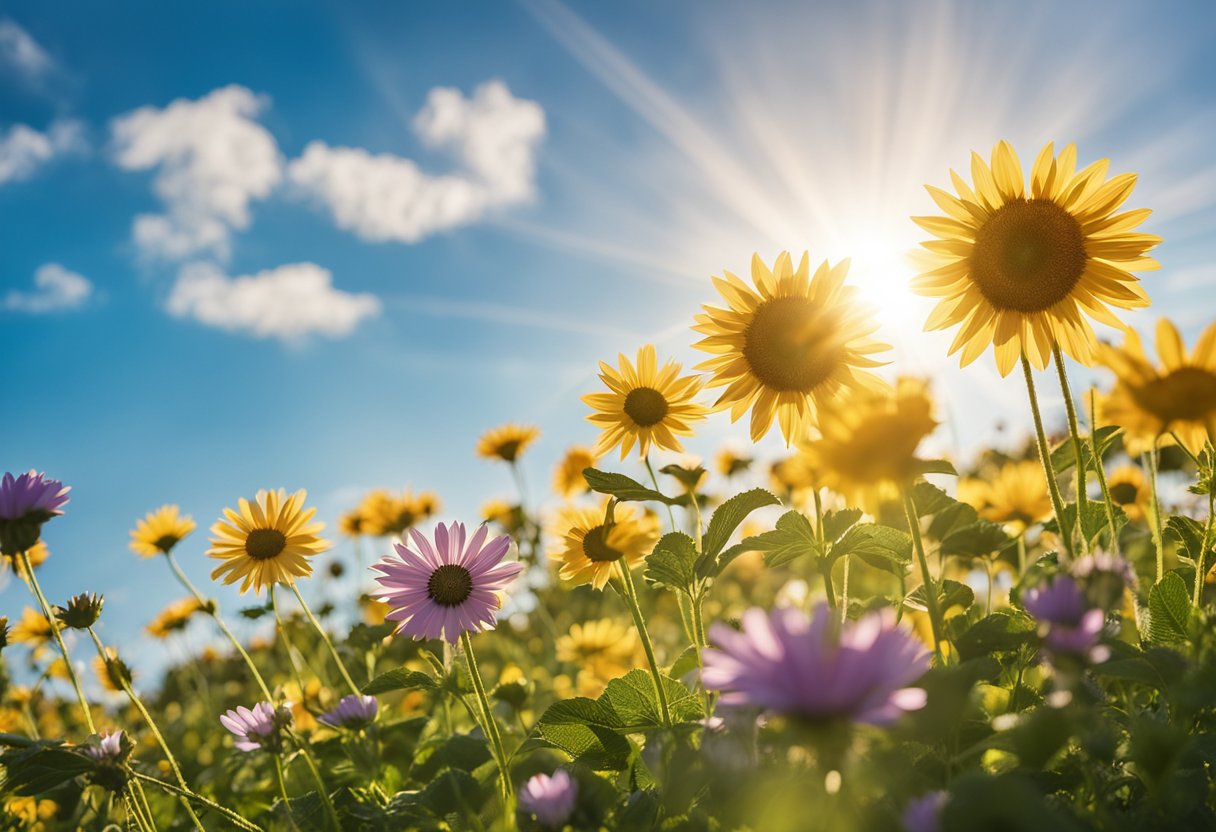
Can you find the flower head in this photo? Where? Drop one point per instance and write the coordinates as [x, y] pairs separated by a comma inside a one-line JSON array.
[[354, 711], [602, 650], [507, 442], [448, 588], [26, 502], [817, 668], [1021, 269], [111, 746], [256, 728], [589, 544], [731, 461], [268, 541], [550, 799], [82, 611], [1129, 491], [568, 480], [159, 531], [1068, 623], [33, 629], [787, 346], [385, 513], [1015, 497], [175, 617], [112, 672]]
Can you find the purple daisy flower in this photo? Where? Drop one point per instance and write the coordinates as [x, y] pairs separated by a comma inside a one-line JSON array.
[[815, 668], [354, 711], [26, 502], [446, 589], [923, 814], [1068, 624], [256, 728], [109, 747], [550, 799]]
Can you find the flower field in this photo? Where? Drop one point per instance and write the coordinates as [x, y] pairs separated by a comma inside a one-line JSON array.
[[850, 636]]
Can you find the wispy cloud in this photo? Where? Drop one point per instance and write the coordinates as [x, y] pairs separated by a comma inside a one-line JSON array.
[[24, 150], [56, 289], [24, 55]]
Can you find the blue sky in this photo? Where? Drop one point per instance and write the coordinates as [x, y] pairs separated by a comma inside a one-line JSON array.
[[371, 231]]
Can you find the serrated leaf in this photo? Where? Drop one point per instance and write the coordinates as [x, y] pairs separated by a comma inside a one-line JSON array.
[[305, 812], [690, 478], [40, 768], [879, 546], [950, 593], [399, 679], [792, 538], [979, 539], [930, 499], [730, 514], [685, 663], [936, 466], [836, 523], [587, 731], [633, 699], [1094, 523], [673, 563], [623, 488], [1063, 458], [999, 632], [1169, 608], [1188, 534]]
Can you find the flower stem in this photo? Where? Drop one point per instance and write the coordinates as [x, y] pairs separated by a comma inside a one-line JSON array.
[[1075, 432], [828, 589], [230, 815], [63, 648], [1107, 500], [293, 655], [214, 611], [686, 614], [1053, 486], [844, 590], [495, 736], [935, 614], [1201, 566], [1158, 535], [278, 771], [135, 811], [333, 651], [160, 739], [631, 598], [302, 744], [671, 515]]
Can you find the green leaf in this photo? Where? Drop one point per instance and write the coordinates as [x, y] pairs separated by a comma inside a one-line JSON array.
[[950, 593], [633, 700], [1063, 458], [40, 768], [999, 632], [690, 478], [305, 812], [792, 538], [879, 546], [978, 539], [730, 514], [399, 679], [623, 488], [673, 563], [454, 792], [1188, 534], [1094, 523], [930, 499], [685, 663], [587, 731], [1169, 608], [836, 523], [936, 466]]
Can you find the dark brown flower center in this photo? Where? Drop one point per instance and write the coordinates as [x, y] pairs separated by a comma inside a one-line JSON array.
[[645, 406], [792, 344], [264, 544], [508, 450], [166, 542], [1123, 493], [1028, 255], [1186, 394], [450, 585], [596, 548]]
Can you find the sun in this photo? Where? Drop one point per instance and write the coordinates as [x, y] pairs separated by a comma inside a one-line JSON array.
[[882, 271]]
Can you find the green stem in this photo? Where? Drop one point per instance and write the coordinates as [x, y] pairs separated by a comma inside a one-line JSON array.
[[1201, 562], [1158, 534], [1053, 486], [918, 544], [169, 788], [684, 606], [1075, 432], [288, 645], [302, 744], [131, 796], [495, 735], [828, 589], [1021, 554], [844, 590], [333, 651], [1107, 500], [282, 780], [631, 598], [213, 609], [671, 515], [63, 648]]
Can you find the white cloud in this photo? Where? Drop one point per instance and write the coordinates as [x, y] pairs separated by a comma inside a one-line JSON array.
[[23, 150], [289, 302], [212, 158], [493, 135], [56, 289], [21, 52]]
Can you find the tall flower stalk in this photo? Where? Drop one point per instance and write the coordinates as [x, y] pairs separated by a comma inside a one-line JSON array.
[[1074, 432], [930, 588], [1107, 501], [329, 644], [491, 728], [1049, 471], [631, 599]]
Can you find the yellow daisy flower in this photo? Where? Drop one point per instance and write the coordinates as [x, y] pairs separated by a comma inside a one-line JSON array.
[[1015, 496], [1129, 490], [866, 452], [507, 442], [589, 550], [174, 617], [608, 647], [1022, 269], [568, 478], [385, 513], [729, 462], [645, 404], [268, 541], [787, 346], [31, 812], [1180, 397], [791, 474], [160, 531], [111, 671], [33, 629], [353, 523]]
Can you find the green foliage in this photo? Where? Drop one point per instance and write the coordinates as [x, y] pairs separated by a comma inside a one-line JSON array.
[[673, 563], [730, 514], [624, 488], [399, 679], [1169, 609]]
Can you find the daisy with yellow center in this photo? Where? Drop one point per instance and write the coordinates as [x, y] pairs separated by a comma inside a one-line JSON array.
[[730, 461], [1022, 268], [603, 650], [385, 513], [33, 629], [1178, 398], [1129, 491], [645, 404], [568, 480], [589, 547], [160, 531], [267, 541], [1015, 497], [353, 523], [507, 442], [174, 618], [788, 345]]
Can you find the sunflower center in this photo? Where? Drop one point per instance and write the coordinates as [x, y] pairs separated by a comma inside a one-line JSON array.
[[1028, 255], [645, 406], [264, 544], [166, 542], [883, 448], [508, 450], [1186, 394], [1123, 493], [450, 585], [791, 344], [596, 548]]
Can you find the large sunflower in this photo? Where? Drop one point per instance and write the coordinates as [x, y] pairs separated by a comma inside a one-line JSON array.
[[1179, 398], [568, 480], [385, 513], [644, 404], [1129, 491], [787, 346], [161, 530], [589, 547], [268, 541], [1021, 269], [1016, 496]]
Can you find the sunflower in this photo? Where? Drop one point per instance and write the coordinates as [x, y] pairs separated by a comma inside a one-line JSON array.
[[1016, 496], [645, 404], [33, 629], [1129, 491], [174, 618], [1021, 270], [607, 646], [1179, 398], [793, 473], [788, 346], [353, 523], [867, 448], [730, 461], [507, 442], [268, 541], [589, 545], [568, 478], [386, 513], [160, 531], [111, 671]]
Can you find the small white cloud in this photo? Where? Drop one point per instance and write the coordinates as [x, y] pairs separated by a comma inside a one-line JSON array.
[[289, 302], [56, 289], [21, 52], [212, 159], [384, 197], [23, 150]]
